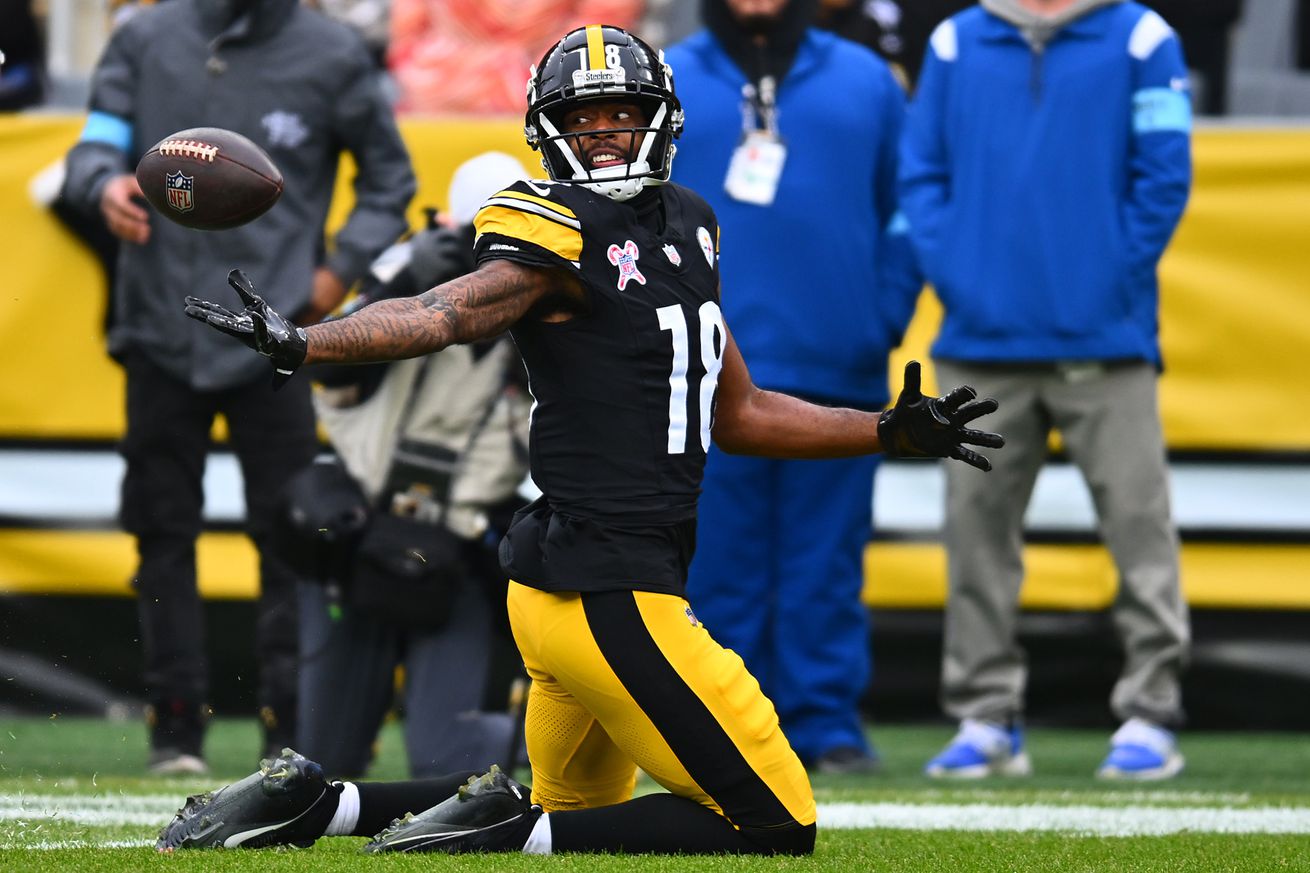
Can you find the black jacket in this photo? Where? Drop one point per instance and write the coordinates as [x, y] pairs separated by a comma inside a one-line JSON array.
[[301, 86]]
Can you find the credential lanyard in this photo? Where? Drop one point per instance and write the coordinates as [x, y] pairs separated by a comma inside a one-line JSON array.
[[759, 107], [756, 165]]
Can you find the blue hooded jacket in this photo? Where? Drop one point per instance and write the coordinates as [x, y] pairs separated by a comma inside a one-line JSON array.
[[816, 290], [1042, 186]]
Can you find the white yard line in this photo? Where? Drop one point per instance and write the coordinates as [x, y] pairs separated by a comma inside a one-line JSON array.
[[76, 844], [1147, 796], [102, 810], [27, 815], [1123, 821]]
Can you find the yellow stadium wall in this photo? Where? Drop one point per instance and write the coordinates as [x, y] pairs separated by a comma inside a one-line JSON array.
[[1235, 327]]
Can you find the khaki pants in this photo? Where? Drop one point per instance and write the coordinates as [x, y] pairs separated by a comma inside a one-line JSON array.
[[1110, 423]]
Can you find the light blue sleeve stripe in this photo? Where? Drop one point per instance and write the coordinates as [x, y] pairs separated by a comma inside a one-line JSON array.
[[1161, 109], [109, 129]]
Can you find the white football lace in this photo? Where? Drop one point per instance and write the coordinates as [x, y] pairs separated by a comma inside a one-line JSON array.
[[188, 147]]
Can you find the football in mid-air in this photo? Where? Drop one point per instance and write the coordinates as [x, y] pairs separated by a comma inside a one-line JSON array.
[[209, 178]]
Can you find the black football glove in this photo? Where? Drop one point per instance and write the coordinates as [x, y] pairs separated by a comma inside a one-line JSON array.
[[922, 427], [259, 326]]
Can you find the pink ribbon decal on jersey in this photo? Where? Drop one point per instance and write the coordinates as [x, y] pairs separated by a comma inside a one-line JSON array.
[[626, 260]]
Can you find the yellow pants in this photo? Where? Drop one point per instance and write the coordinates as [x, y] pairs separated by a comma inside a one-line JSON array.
[[629, 679]]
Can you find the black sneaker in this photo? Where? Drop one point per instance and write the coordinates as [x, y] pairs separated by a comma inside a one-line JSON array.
[[286, 802], [491, 813], [847, 760]]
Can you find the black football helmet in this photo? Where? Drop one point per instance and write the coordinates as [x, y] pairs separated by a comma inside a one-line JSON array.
[[600, 62]]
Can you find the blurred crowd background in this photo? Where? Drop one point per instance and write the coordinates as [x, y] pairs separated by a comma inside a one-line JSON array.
[[1250, 57]]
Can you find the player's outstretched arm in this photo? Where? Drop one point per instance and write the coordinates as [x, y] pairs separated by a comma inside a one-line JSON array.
[[751, 421], [481, 304]]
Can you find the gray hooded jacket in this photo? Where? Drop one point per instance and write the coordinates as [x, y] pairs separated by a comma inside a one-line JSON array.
[[301, 86]]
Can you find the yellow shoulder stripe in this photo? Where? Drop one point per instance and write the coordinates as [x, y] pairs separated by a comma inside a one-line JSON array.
[[532, 227], [540, 201]]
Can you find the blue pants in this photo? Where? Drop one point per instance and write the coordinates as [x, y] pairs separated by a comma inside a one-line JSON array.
[[777, 578]]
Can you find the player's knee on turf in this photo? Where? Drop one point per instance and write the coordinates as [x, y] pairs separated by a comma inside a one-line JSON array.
[[789, 839]]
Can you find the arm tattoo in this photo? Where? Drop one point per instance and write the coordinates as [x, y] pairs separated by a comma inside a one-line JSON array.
[[480, 304]]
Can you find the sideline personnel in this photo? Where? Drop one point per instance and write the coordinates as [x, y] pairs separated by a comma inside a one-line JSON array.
[[303, 88], [1045, 165]]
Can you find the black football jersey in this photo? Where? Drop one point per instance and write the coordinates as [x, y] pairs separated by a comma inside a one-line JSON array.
[[624, 391]]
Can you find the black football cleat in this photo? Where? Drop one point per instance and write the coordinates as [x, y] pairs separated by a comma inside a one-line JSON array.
[[287, 802], [490, 813]]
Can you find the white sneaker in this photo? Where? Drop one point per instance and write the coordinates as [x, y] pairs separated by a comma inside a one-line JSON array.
[[1141, 750], [980, 749], [170, 762]]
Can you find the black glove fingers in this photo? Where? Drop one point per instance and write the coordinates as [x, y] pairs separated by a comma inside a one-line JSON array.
[[199, 314], [257, 326], [973, 459], [975, 409], [245, 289], [912, 390], [981, 438], [957, 398], [206, 306], [264, 342], [941, 415], [238, 327]]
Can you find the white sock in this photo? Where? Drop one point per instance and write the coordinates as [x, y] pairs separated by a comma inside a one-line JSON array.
[[347, 814], [539, 840]]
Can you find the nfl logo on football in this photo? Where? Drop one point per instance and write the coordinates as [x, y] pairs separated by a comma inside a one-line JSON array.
[[179, 191]]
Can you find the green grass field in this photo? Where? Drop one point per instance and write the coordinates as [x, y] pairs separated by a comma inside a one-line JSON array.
[[72, 798]]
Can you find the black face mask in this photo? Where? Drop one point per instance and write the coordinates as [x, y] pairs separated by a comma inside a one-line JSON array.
[[228, 11], [758, 25], [782, 36], [241, 7]]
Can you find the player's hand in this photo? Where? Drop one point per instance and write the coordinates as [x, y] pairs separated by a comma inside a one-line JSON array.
[[325, 295], [121, 206], [923, 427], [258, 325]]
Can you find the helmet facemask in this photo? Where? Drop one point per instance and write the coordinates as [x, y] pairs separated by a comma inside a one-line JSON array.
[[635, 73], [561, 155]]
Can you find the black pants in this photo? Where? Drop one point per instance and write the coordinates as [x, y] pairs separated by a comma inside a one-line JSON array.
[[347, 675], [168, 425]]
